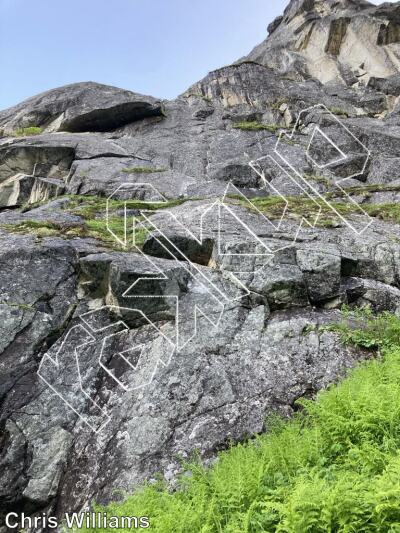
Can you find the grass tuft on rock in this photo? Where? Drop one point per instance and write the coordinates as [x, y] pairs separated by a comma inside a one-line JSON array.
[[299, 207], [143, 170], [253, 125], [334, 467], [26, 132], [96, 229], [92, 209]]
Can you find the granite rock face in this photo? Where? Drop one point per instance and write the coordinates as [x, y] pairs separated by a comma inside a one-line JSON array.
[[80, 107], [330, 40], [165, 267]]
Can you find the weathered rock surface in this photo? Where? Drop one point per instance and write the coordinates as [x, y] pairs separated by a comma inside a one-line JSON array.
[[116, 360], [330, 40], [80, 107]]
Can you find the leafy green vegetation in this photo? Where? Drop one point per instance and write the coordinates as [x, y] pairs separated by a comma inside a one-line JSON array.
[[253, 125], [31, 130], [335, 467], [143, 170], [381, 332]]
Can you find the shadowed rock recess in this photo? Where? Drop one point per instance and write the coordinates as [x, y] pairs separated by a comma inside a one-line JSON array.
[[120, 357]]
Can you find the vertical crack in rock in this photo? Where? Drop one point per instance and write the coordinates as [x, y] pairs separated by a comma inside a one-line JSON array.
[[389, 34], [337, 33]]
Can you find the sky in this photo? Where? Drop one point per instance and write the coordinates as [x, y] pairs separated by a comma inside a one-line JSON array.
[[156, 47]]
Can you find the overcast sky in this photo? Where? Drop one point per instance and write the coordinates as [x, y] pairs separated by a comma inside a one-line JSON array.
[[157, 47]]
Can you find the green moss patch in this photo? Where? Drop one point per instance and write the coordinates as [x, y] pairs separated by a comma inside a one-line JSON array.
[[96, 229], [299, 207], [92, 209]]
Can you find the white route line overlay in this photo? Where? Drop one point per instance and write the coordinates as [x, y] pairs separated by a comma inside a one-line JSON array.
[[306, 185], [86, 329], [220, 298]]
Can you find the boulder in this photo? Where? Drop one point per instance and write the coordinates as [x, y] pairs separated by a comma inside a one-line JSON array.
[[379, 296], [322, 274], [389, 85], [16, 190]]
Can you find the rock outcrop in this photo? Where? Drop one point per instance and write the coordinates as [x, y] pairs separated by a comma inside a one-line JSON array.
[[329, 40], [80, 107], [166, 266]]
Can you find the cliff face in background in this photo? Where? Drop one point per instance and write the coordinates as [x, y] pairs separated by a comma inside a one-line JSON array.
[[332, 40], [191, 338]]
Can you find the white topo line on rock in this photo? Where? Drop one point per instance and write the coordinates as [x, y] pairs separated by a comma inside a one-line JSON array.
[[296, 176], [70, 351]]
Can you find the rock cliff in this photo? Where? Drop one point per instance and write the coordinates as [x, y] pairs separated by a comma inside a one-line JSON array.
[[166, 265], [330, 40]]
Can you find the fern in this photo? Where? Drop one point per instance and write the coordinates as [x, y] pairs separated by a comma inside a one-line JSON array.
[[335, 467]]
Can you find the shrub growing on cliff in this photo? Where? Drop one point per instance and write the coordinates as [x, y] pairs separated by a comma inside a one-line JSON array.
[[335, 467]]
